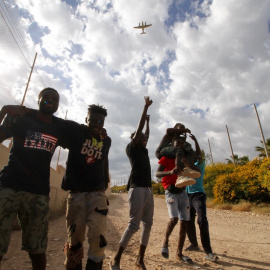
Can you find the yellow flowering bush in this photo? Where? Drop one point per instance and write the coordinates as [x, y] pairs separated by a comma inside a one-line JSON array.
[[227, 188], [248, 182], [264, 173], [211, 174]]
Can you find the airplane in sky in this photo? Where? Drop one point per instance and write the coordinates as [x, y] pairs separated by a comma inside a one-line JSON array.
[[142, 27]]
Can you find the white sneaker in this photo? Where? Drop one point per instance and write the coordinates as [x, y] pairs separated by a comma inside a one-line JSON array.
[[211, 257], [183, 181], [190, 173]]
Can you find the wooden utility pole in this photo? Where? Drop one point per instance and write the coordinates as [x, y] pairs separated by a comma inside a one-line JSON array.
[[26, 89], [230, 144], [264, 144], [29, 80], [60, 147], [210, 151]]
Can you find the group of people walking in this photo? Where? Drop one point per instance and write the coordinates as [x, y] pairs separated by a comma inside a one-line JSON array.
[[25, 187]]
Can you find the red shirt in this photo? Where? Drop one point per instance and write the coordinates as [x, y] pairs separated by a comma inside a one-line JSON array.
[[169, 164]]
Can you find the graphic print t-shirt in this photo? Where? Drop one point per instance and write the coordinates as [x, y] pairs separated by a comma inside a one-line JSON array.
[[87, 161], [34, 143]]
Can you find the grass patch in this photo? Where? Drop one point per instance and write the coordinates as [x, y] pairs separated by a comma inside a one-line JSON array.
[[159, 196], [243, 206]]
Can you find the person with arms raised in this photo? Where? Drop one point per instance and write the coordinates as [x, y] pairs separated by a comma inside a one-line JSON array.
[[140, 193]]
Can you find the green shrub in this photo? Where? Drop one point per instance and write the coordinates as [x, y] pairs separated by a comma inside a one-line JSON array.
[[158, 189]]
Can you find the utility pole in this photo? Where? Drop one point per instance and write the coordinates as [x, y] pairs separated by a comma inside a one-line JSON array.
[[230, 144], [264, 144], [29, 80], [210, 151], [26, 88]]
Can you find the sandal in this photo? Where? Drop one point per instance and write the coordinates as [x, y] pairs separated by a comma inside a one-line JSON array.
[[113, 266], [185, 259], [165, 252]]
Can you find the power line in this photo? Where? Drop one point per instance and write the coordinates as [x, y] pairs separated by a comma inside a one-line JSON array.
[[17, 30], [14, 38], [19, 39]]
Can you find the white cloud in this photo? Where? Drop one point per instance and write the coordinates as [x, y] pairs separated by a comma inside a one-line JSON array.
[[92, 54]]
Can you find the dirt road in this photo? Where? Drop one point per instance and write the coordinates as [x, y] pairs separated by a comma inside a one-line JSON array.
[[241, 240]]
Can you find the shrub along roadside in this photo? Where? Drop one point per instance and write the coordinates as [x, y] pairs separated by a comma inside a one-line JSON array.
[[249, 182], [229, 184]]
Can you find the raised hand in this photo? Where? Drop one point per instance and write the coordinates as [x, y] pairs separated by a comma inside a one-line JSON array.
[[148, 101], [192, 137]]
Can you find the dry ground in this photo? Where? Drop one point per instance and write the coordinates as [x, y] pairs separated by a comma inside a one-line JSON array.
[[242, 241]]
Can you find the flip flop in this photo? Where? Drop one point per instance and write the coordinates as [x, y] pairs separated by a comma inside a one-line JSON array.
[[185, 259], [113, 267], [165, 252]]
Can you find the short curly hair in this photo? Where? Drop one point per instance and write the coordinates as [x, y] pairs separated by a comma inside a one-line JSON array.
[[47, 89], [92, 109]]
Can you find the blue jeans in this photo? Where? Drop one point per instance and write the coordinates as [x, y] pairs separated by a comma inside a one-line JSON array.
[[197, 203], [178, 205]]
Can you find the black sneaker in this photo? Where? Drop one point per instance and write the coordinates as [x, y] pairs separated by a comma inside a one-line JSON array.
[[192, 248]]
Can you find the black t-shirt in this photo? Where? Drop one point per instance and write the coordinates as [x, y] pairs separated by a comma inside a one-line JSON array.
[[140, 175], [87, 163], [34, 143]]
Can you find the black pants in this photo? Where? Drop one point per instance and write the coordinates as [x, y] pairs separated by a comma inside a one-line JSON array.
[[197, 203]]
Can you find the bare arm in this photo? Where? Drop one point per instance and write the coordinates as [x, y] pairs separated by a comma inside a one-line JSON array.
[[14, 110], [140, 127], [160, 171], [147, 130], [197, 148]]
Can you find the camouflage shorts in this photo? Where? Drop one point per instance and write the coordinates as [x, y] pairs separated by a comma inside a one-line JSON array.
[[33, 213], [88, 210]]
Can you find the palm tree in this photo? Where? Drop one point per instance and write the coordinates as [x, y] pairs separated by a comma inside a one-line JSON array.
[[261, 149], [243, 160], [234, 157], [238, 160]]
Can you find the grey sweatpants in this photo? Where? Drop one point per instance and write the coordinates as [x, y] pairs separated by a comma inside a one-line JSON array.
[[141, 208]]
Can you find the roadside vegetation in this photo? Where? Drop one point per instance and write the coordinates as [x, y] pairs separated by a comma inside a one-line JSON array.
[[241, 187]]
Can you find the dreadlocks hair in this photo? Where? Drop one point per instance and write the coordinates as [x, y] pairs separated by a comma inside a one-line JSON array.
[[47, 89], [92, 109]]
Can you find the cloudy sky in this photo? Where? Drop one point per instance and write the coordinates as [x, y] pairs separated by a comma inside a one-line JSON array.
[[203, 63]]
